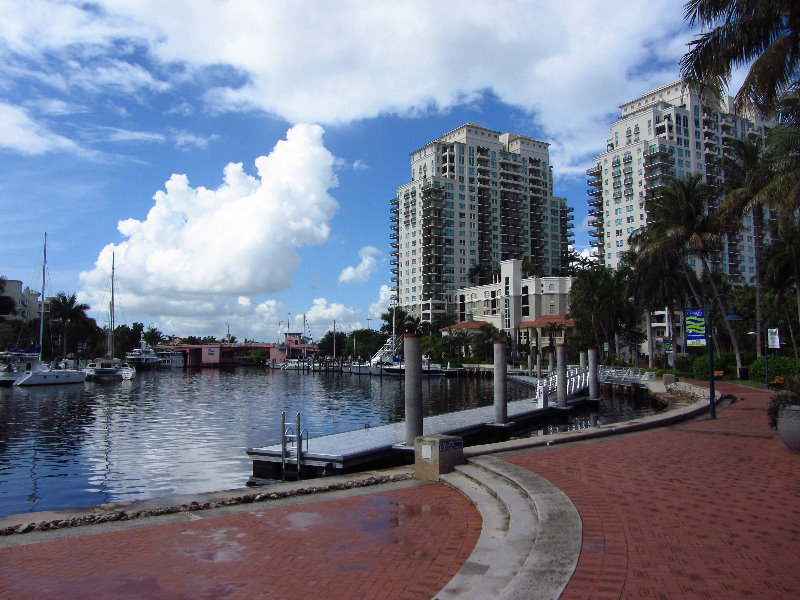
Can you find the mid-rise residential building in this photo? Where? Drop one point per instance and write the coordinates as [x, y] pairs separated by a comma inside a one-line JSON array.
[[26, 301], [515, 302], [670, 132], [476, 197]]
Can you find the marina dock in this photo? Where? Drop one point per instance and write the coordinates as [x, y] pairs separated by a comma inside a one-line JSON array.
[[384, 445]]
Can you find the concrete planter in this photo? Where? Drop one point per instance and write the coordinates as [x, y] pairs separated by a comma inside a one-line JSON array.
[[789, 427]]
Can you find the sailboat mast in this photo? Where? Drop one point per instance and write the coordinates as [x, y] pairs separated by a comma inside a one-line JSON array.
[[41, 315], [110, 342]]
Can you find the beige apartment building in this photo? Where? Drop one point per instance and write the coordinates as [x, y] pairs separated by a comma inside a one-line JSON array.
[[669, 132], [477, 197]]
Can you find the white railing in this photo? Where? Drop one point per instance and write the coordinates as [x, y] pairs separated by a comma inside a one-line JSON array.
[[623, 375], [577, 381]]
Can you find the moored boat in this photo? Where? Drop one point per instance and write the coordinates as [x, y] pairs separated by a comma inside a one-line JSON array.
[[104, 369], [171, 359], [143, 357]]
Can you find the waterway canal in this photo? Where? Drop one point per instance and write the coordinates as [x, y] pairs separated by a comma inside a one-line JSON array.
[[176, 432]]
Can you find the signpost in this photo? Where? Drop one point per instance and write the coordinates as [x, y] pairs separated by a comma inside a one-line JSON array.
[[695, 327]]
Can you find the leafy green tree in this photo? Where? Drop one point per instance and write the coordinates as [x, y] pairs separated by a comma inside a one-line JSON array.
[[326, 346], [153, 337], [362, 343], [481, 343], [7, 304], [763, 35], [70, 313], [126, 338]]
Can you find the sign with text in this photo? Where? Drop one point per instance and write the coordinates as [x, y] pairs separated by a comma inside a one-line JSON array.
[[695, 328], [773, 339]]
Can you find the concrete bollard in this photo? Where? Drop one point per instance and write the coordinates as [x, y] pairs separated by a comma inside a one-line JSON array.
[[594, 387], [436, 454], [500, 382], [412, 349], [541, 396], [561, 376]]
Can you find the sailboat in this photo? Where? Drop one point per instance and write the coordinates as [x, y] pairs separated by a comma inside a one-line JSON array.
[[37, 373], [109, 368]]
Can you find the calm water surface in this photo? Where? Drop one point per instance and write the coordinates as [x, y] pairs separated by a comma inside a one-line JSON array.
[[176, 432]]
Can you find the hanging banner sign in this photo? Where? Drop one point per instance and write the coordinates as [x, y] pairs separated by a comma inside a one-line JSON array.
[[667, 345], [773, 339], [695, 328]]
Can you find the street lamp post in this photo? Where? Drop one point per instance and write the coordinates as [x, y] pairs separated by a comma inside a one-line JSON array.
[[760, 327], [708, 308]]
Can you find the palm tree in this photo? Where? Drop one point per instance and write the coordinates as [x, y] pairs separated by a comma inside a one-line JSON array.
[[784, 147], [764, 34], [782, 261], [591, 305], [67, 310], [679, 222], [656, 281], [748, 174]]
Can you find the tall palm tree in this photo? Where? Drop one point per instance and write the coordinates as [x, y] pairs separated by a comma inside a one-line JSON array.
[[748, 174], [784, 147], [657, 279], [680, 223], [69, 311], [764, 34], [782, 261]]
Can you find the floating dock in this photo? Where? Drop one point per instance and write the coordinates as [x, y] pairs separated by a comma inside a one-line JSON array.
[[385, 445]]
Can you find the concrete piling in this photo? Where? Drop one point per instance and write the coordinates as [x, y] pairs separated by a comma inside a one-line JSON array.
[[561, 375], [500, 382], [412, 349], [594, 388]]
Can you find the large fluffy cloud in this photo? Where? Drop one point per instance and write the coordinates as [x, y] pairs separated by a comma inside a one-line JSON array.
[[198, 246]]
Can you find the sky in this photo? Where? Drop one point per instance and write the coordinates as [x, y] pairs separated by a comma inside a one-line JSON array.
[[236, 159]]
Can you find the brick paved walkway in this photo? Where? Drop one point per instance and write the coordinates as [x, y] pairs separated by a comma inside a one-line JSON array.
[[704, 510], [404, 543]]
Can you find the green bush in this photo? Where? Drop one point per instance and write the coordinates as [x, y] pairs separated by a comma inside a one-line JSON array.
[[700, 366], [778, 365], [683, 363]]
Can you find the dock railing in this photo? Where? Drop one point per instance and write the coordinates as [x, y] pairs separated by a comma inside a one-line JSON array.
[[577, 381], [624, 375]]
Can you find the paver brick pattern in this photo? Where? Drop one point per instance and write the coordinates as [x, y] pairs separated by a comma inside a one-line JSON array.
[[402, 543], [707, 509]]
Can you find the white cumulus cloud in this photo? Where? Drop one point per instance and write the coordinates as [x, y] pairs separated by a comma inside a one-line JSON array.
[[198, 247], [361, 272]]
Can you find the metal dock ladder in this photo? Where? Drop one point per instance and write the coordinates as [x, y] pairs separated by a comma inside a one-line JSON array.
[[292, 437]]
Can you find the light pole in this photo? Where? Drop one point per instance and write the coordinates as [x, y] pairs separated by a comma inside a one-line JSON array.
[[760, 327], [708, 308]]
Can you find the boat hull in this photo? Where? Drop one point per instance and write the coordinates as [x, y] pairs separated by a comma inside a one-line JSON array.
[[54, 377]]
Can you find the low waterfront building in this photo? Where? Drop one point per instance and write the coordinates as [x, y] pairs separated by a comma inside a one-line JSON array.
[[514, 302]]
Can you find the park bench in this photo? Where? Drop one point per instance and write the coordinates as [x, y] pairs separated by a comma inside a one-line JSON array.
[[777, 382]]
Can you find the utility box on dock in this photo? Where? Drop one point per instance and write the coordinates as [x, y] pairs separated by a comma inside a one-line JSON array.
[[437, 454]]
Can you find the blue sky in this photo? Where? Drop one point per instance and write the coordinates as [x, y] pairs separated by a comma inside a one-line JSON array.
[[238, 158]]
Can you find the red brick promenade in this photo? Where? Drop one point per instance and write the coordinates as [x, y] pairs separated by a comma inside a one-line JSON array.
[[405, 543], [709, 509]]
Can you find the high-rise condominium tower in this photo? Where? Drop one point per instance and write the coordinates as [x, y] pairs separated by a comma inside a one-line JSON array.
[[476, 197], [669, 132]]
